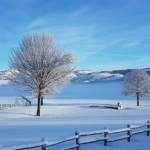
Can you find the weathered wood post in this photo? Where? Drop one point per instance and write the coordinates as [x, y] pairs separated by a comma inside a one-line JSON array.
[[77, 140], [23, 105], [105, 136], [148, 126], [128, 132], [44, 143], [5, 105], [28, 101], [10, 105]]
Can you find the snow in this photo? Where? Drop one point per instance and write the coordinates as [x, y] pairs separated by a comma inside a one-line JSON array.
[[92, 132], [86, 76], [85, 71], [3, 82], [118, 138], [117, 77], [118, 130], [146, 69], [139, 126], [69, 111], [91, 140]]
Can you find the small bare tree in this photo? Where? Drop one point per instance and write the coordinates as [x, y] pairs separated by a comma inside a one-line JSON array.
[[136, 82], [40, 66]]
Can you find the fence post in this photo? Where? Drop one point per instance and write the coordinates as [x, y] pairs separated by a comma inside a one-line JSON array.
[[5, 105], [43, 147], [23, 105], [128, 132], [148, 126], [105, 136], [77, 140]]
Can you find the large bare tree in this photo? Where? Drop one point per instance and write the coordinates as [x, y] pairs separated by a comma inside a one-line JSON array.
[[136, 82], [40, 66]]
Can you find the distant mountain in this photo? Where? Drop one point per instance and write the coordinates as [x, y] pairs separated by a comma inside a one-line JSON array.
[[86, 75], [92, 76], [4, 74]]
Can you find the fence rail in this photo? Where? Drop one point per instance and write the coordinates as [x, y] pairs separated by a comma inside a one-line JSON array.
[[6, 106], [79, 137]]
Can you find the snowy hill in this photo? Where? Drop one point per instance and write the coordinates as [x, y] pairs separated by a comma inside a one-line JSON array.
[[86, 75], [92, 76]]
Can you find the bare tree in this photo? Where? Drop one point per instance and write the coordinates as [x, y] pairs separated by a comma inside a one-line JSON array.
[[40, 66], [136, 82]]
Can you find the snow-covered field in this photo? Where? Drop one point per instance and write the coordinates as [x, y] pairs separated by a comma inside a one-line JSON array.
[[70, 111]]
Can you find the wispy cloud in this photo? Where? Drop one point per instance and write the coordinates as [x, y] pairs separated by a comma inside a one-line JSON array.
[[95, 47], [121, 55], [80, 11], [83, 55], [37, 23], [130, 44]]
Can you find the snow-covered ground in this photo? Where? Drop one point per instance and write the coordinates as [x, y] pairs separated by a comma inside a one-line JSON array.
[[70, 111]]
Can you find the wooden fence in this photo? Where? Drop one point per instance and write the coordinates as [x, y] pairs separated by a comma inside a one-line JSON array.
[[6, 106], [44, 144], [80, 140]]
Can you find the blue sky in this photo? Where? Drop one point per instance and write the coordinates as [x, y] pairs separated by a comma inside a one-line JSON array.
[[101, 34]]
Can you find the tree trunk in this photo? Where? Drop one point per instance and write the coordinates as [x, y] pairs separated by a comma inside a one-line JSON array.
[[138, 99], [39, 105], [42, 101]]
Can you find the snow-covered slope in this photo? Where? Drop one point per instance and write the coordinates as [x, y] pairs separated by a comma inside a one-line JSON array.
[[92, 76], [4, 74], [86, 75]]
